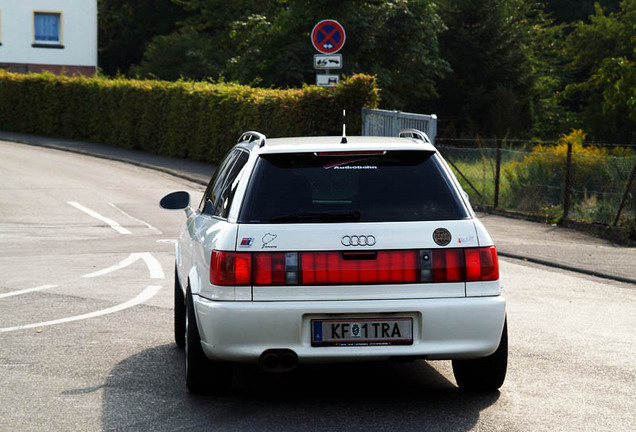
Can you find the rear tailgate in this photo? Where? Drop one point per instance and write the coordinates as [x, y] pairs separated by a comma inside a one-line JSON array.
[[356, 239]]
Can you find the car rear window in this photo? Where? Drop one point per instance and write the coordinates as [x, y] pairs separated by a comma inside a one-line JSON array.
[[338, 187]]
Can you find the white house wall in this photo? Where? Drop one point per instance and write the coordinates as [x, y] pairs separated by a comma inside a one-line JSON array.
[[78, 33]]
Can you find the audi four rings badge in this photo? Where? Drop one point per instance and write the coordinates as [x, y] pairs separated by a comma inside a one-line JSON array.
[[358, 240]]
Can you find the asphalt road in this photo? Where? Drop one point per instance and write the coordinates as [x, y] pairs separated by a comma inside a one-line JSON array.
[[86, 330]]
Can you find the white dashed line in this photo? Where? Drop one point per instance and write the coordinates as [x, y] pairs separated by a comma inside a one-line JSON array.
[[150, 227], [145, 295], [114, 225], [26, 291], [154, 267]]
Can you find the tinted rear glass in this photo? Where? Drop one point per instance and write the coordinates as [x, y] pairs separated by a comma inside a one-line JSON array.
[[307, 188]]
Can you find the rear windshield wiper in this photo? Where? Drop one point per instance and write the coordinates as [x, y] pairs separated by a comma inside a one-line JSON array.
[[319, 217]]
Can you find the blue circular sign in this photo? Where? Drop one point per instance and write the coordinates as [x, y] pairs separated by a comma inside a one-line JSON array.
[[328, 36]]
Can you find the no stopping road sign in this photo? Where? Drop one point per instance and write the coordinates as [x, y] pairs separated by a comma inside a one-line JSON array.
[[328, 36]]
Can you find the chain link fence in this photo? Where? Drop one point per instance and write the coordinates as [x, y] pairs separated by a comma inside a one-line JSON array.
[[556, 182]]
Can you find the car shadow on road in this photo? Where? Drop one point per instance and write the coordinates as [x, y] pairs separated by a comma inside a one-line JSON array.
[[147, 392]]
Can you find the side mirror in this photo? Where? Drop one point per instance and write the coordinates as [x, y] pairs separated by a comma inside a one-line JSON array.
[[179, 200]]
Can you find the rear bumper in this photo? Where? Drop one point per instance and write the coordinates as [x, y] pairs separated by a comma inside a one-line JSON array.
[[451, 328]]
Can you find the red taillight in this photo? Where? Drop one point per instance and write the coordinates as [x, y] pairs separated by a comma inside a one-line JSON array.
[[245, 268], [465, 265], [269, 269], [353, 268], [349, 268], [448, 265], [231, 268], [482, 264]]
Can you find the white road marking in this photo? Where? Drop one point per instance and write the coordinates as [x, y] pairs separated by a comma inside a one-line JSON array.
[[154, 267], [27, 290], [114, 225], [146, 294], [150, 227]]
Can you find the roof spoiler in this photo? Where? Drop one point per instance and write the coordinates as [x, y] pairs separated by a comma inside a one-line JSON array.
[[251, 136], [414, 133]]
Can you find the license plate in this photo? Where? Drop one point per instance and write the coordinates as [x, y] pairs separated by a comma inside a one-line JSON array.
[[361, 332]]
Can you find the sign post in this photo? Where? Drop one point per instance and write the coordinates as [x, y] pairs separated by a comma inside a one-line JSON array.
[[328, 37]]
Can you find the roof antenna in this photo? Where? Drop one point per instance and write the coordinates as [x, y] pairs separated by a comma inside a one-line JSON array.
[[344, 128]]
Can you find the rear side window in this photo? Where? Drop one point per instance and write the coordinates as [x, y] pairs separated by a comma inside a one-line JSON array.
[[220, 192], [389, 186]]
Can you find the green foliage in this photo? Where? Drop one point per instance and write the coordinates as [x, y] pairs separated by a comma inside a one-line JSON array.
[[187, 54], [605, 36], [566, 11], [196, 120], [202, 46], [616, 79], [505, 68], [608, 100], [269, 43], [487, 44], [126, 27], [549, 118], [603, 65], [537, 182]]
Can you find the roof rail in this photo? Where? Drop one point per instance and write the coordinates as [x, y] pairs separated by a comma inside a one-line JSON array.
[[251, 136], [414, 133]]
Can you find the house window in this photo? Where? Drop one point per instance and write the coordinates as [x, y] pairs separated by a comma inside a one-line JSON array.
[[47, 29]]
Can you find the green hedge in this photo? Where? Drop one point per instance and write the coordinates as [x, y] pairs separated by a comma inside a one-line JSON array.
[[195, 120]]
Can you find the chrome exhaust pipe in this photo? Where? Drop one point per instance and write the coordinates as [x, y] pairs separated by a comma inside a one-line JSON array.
[[269, 360], [278, 360], [288, 360]]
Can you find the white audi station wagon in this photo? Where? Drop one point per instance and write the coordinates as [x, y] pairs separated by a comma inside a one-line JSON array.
[[329, 249]]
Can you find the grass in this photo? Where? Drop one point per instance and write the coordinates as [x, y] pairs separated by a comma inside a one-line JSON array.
[[533, 182]]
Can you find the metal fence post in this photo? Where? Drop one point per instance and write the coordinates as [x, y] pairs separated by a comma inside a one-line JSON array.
[[568, 186], [497, 173], [626, 194]]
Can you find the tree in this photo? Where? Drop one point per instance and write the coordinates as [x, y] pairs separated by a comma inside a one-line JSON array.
[[269, 43], [616, 79], [569, 11], [126, 27], [602, 63], [185, 54], [488, 46], [202, 46]]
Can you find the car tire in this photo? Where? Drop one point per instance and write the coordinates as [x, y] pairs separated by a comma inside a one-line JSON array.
[[486, 373], [179, 312], [203, 376]]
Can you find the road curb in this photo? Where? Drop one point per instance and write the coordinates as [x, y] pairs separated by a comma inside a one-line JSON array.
[[547, 263], [85, 152]]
